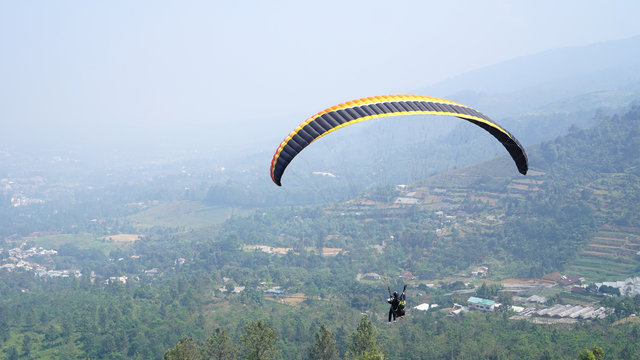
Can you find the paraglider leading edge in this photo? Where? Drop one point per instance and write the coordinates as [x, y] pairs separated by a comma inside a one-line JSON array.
[[351, 112]]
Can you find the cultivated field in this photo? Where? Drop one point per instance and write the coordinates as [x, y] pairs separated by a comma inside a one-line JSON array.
[[81, 240], [189, 214], [122, 238]]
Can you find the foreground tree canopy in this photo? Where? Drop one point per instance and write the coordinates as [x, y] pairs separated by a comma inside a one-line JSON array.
[[351, 112]]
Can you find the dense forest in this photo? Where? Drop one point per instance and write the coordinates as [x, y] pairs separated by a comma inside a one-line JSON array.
[[263, 284]]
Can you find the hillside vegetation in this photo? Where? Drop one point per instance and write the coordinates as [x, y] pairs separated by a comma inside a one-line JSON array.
[[297, 268]]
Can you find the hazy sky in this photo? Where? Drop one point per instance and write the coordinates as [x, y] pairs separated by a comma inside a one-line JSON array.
[[211, 69]]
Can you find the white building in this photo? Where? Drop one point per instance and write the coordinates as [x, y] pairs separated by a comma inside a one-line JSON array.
[[628, 287], [476, 303]]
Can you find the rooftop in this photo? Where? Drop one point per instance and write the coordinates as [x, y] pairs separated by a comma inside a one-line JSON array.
[[480, 301]]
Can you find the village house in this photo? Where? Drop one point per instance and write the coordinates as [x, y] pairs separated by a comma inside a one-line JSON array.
[[457, 309], [9, 267], [407, 201], [122, 279], [537, 299], [371, 276], [153, 271], [424, 307], [570, 280], [553, 278], [274, 291], [407, 276], [476, 303], [480, 271]]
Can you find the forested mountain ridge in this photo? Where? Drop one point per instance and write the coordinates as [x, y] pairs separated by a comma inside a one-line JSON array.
[[583, 183]]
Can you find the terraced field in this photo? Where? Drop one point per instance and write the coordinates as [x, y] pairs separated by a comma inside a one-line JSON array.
[[609, 256]]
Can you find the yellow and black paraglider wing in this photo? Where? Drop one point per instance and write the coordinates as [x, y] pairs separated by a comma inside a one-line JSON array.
[[351, 112]]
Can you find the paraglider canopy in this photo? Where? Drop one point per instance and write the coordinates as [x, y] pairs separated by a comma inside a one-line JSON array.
[[351, 112]]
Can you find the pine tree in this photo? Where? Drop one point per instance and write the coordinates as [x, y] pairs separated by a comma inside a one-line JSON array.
[[595, 354], [325, 347], [363, 345], [185, 349], [258, 341], [219, 346]]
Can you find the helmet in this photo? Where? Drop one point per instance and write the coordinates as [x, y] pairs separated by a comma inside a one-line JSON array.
[[395, 293]]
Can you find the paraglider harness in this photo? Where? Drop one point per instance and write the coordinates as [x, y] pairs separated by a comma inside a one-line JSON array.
[[397, 304]]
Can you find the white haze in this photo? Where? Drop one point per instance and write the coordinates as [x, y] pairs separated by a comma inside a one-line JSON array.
[[156, 79]]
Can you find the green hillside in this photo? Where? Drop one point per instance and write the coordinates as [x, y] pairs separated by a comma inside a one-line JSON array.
[[583, 187]]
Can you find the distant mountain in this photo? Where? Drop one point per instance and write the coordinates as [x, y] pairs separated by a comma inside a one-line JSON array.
[[526, 83]]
